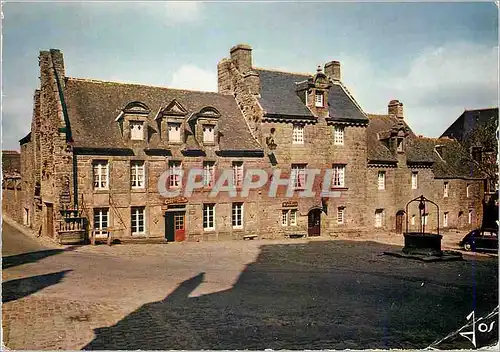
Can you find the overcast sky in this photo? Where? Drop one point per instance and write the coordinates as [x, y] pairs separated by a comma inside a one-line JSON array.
[[436, 58]]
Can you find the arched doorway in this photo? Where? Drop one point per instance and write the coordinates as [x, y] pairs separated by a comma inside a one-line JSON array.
[[399, 221], [314, 222]]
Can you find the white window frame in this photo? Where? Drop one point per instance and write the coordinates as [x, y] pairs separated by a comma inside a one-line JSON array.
[[288, 217], [208, 217], [136, 213], [338, 176], [207, 133], [467, 190], [237, 215], [425, 219], [414, 180], [208, 173], [413, 219], [299, 175], [319, 98], [102, 216], [469, 218], [400, 144], [171, 134], [136, 135], [445, 219], [338, 135], [298, 134], [381, 180], [284, 217], [238, 173], [100, 174], [137, 174], [340, 215], [175, 177], [446, 189], [379, 217]]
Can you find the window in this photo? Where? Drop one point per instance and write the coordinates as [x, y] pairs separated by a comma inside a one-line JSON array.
[[137, 217], [467, 191], [318, 101], [237, 215], [299, 175], [381, 180], [298, 134], [338, 135], [101, 216], [175, 174], [338, 175], [445, 219], [238, 173], [174, 132], [414, 180], [101, 174], [340, 215], [400, 144], [136, 130], [208, 173], [379, 217], [208, 217], [424, 219], [208, 134], [470, 217], [413, 220], [137, 174], [446, 189], [289, 217]]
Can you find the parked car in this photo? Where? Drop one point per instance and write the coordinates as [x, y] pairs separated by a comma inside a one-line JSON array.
[[481, 240]]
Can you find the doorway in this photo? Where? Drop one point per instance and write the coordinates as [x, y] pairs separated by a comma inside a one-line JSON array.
[[399, 221], [50, 219], [314, 222], [175, 226]]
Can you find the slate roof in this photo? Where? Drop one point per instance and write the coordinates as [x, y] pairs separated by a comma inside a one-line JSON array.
[[469, 121], [94, 105], [341, 107]]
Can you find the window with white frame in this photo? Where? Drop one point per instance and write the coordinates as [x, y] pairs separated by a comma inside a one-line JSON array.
[[379, 217], [400, 144], [470, 217], [289, 217], [208, 173], [340, 215], [208, 133], [298, 175], [237, 173], [467, 191], [338, 135], [446, 189], [137, 174], [318, 100], [424, 219], [101, 218], [101, 171], [136, 130], [237, 215], [298, 134], [338, 175], [137, 221], [381, 180], [414, 180], [175, 174], [174, 132], [208, 217], [413, 220], [445, 219]]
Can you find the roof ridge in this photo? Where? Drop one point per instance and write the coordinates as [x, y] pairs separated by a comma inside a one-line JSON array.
[[481, 109], [280, 71]]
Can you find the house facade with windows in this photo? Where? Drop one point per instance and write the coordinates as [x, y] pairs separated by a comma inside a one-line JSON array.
[[100, 154]]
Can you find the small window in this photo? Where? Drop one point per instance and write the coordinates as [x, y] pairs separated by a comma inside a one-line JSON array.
[[379, 217], [208, 134], [340, 215], [424, 219], [413, 220], [318, 101], [101, 169], [467, 191], [175, 174], [400, 145], [101, 216], [289, 217], [414, 180], [445, 219], [338, 138], [174, 132], [136, 130], [137, 221], [238, 173], [470, 217], [208, 173], [208, 217], [137, 174], [237, 215], [298, 134], [338, 175], [299, 175], [446, 189], [381, 180]]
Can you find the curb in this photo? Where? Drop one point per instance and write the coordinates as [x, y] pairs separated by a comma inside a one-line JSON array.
[[30, 233]]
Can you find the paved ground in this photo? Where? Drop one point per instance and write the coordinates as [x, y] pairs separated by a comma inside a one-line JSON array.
[[293, 294]]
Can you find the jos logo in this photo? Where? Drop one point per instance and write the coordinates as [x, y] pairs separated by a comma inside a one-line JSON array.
[[482, 327]]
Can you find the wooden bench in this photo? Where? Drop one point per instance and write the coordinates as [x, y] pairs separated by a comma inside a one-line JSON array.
[[249, 237]]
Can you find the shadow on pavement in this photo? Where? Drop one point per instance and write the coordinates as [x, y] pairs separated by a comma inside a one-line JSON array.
[[19, 288], [317, 295], [31, 257]]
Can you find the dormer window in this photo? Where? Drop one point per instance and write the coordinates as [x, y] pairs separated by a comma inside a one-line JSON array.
[[174, 132], [318, 100], [136, 130], [208, 134], [400, 145]]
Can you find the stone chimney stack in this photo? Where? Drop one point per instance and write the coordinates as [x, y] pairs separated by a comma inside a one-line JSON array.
[[241, 55], [395, 108], [332, 70]]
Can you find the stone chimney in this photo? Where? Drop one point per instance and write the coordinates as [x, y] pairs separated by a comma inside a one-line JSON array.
[[395, 108], [241, 55], [332, 70]]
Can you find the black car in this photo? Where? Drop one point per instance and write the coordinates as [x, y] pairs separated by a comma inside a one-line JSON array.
[[481, 240]]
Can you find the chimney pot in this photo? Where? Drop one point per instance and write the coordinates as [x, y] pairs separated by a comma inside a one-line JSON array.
[[241, 55], [395, 108], [332, 70]]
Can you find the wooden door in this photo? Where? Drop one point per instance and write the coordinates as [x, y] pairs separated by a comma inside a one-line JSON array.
[[399, 221], [314, 222], [50, 219], [169, 227], [179, 226]]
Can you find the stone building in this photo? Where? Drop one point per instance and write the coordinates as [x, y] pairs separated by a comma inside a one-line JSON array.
[[97, 151], [11, 184]]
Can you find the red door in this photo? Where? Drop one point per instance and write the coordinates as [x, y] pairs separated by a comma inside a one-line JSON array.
[[179, 227]]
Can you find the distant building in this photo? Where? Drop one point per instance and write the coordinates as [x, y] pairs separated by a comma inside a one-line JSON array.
[[11, 184], [97, 150]]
